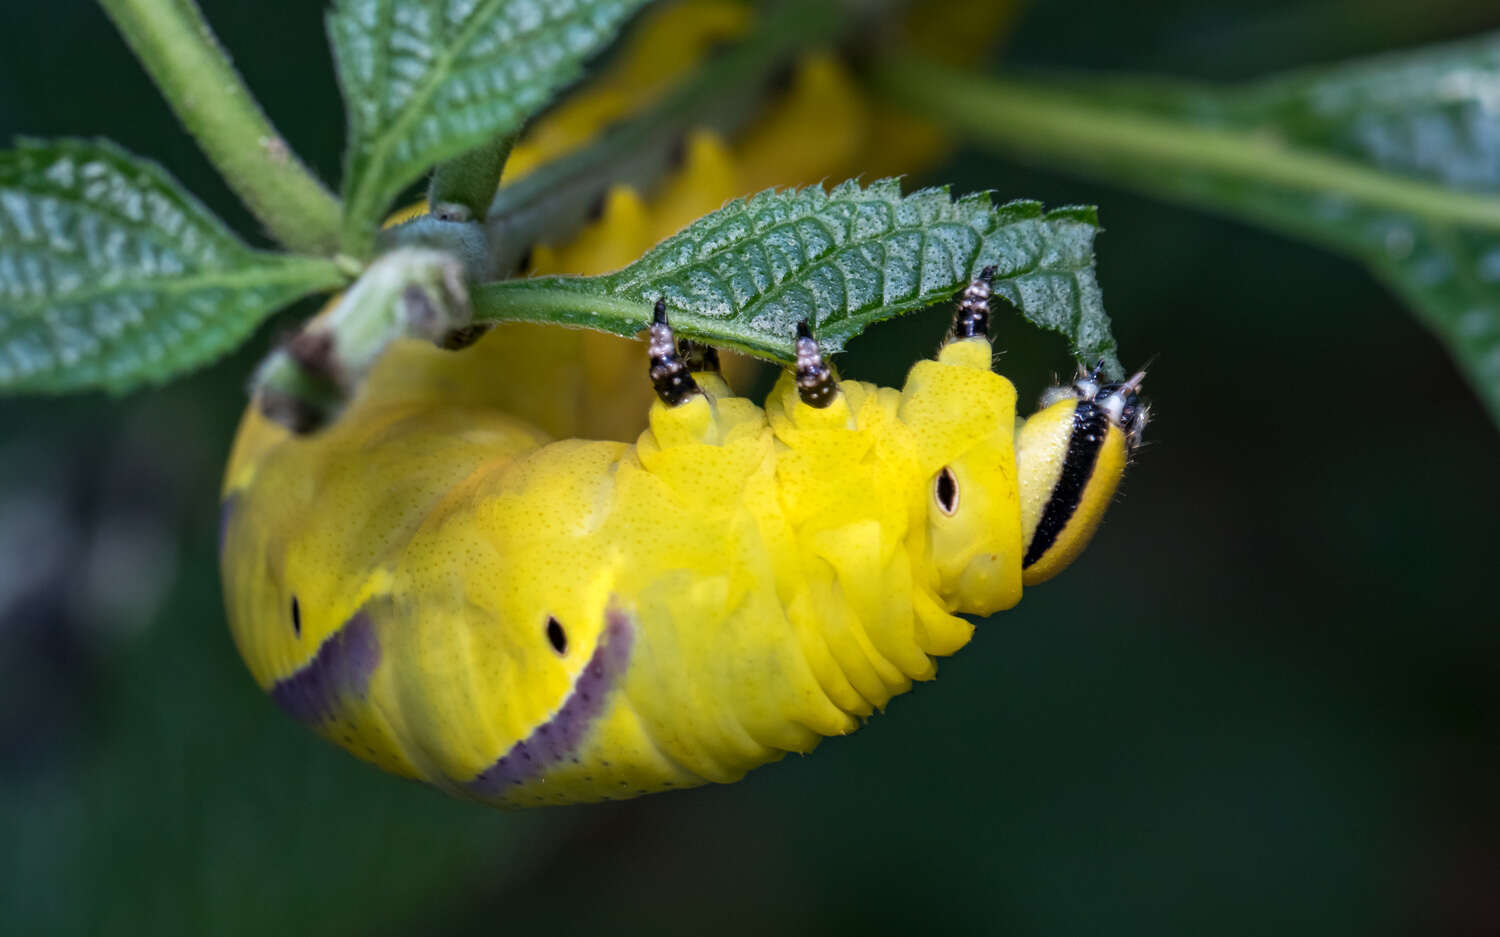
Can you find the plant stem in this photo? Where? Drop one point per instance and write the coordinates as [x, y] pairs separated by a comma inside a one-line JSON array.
[[407, 292], [550, 300], [578, 303], [463, 188], [182, 56], [1039, 121]]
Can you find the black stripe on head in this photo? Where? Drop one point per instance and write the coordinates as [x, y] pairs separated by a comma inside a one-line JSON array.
[[1090, 427]]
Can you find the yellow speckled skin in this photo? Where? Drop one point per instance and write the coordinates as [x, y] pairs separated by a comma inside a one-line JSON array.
[[780, 572], [730, 582]]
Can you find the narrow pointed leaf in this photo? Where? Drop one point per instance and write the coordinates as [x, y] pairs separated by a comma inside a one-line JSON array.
[[745, 275], [112, 276]]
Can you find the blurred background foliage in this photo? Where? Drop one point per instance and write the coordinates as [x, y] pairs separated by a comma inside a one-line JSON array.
[[1263, 701]]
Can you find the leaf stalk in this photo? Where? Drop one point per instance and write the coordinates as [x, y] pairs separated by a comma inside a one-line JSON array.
[[462, 188], [1038, 121]]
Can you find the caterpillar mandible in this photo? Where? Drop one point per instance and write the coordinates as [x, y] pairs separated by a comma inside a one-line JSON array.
[[447, 585]]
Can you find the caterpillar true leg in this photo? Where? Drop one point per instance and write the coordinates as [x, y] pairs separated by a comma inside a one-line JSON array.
[[971, 317], [1086, 384], [817, 385], [700, 358], [670, 374], [703, 363]]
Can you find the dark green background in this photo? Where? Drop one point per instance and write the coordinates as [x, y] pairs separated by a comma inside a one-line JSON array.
[[1263, 702]]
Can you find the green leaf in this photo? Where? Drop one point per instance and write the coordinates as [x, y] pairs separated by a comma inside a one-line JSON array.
[[1394, 161], [745, 275], [112, 276], [426, 80]]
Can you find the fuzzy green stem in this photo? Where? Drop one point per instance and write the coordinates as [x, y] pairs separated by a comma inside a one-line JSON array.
[[1071, 128], [558, 301], [462, 188], [183, 57], [412, 292]]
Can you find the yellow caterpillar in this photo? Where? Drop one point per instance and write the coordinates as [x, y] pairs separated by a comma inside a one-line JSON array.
[[447, 585]]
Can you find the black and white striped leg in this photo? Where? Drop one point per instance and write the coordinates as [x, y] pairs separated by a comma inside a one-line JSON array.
[[669, 373], [700, 358], [971, 318], [1087, 384], [817, 385]]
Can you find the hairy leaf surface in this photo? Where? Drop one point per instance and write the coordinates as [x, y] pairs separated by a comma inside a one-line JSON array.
[[426, 80], [745, 275], [112, 276]]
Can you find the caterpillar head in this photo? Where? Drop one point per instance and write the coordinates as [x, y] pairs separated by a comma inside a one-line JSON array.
[[1071, 455]]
